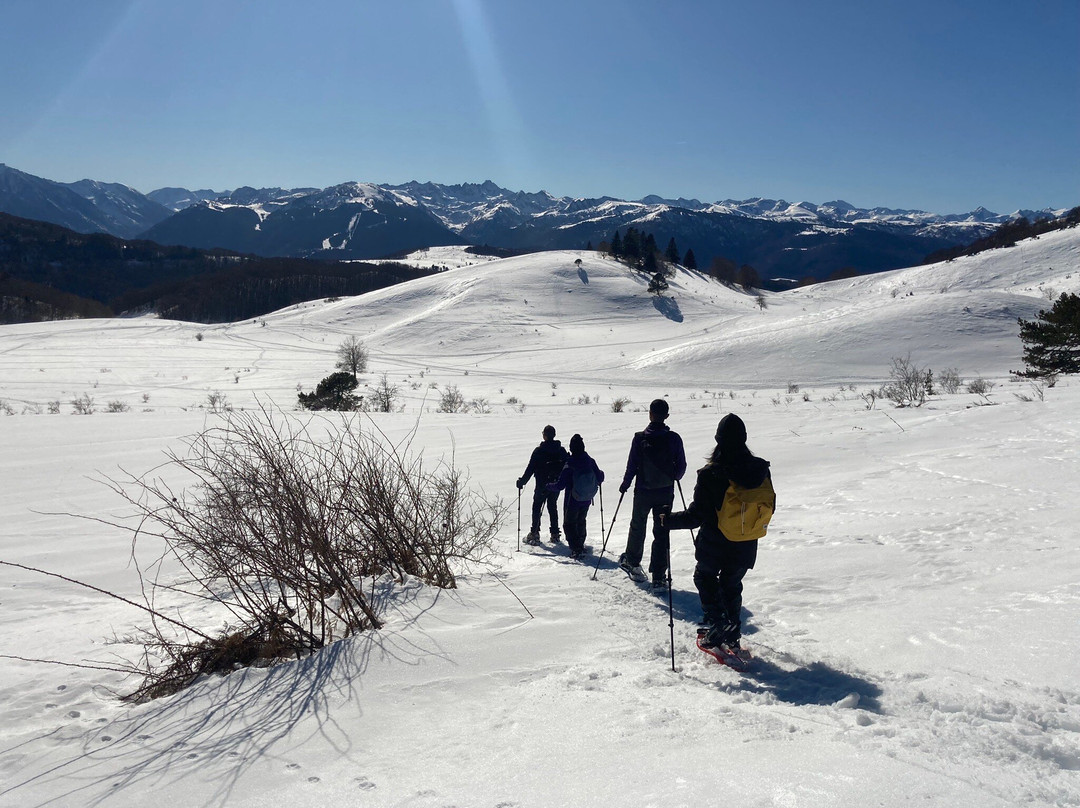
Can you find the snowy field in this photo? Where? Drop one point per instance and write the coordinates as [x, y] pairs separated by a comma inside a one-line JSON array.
[[915, 611]]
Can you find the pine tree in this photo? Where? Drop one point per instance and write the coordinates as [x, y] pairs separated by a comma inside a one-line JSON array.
[[672, 252], [689, 261], [1052, 339], [616, 245], [658, 285], [632, 245], [649, 245]]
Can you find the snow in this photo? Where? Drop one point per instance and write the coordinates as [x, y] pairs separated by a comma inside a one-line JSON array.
[[451, 257], [914, 611]]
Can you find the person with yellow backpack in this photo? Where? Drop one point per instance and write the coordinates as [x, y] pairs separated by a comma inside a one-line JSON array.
[[733, 502]]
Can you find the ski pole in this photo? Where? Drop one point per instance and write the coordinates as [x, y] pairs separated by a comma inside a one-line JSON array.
[[519, 521], [601, 507], [615, 516], [670, 598]]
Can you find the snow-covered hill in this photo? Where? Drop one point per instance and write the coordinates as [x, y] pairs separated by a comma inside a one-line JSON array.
[[913, 610]]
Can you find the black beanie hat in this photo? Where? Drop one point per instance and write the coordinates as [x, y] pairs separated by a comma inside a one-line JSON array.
[[577, 444], [659, 407], [731, 433]]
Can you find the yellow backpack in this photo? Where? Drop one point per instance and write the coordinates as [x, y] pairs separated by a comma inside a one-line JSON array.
[[745, 512]]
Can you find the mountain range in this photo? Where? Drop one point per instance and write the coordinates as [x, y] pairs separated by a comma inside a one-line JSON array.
[[356, 220]]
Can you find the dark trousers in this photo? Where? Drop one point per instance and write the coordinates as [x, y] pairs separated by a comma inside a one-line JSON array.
[[574, 526], [646, 501], [720, 591], [541, 497]]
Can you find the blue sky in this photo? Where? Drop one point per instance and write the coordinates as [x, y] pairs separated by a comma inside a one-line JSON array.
[[941, 106]]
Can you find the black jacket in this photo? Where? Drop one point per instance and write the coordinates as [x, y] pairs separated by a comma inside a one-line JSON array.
[[545, 463], [711, 546]]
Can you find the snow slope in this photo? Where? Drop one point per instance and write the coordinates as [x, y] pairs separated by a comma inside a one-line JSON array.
[[914, 611]]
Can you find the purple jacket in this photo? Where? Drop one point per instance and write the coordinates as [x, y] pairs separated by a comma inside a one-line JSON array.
[[577, 463]]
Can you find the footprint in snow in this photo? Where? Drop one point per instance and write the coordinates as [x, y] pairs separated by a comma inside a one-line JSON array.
[[364, 784], [293, 766]]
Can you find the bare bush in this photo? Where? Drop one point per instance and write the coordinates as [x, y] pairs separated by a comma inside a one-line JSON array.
[[980, 387], [5, 408], [384, 395], [452, 400], [907, 385], [480, 405], [950, 380], [117, 406], [619, 404], [83, 405], [282, 522], [217, 402]]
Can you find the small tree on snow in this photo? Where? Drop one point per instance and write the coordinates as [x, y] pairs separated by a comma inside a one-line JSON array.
[[907, 385], [1052, 339], [335, 392], [352, 357], [658, 285], [384, 396]]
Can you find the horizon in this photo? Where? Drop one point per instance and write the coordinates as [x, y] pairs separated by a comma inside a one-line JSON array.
[[228, 191], [926, 107]]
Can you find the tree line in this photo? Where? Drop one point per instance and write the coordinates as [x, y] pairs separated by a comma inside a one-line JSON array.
[[640, 250]]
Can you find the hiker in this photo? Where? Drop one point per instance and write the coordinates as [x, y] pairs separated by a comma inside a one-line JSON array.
[[722, 563], [657, 461], [545, 464], [581, 478]]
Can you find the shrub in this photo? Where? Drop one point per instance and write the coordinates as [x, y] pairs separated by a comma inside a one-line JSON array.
[[452, 400], [619, 404], [217, 401], [907, 385], [83, 405], [332, 393], [117, 406], [281, 525], [384, 395], [950, 380], [980, 386]]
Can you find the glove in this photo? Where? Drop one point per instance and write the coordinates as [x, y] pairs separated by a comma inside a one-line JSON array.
[[520, 483], [624, 488]]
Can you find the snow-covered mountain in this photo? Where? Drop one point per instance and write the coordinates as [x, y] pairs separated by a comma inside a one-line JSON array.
[[779, 239], [912, 612], [176, 199], [127, 212], [348, 221], [86, 206]]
